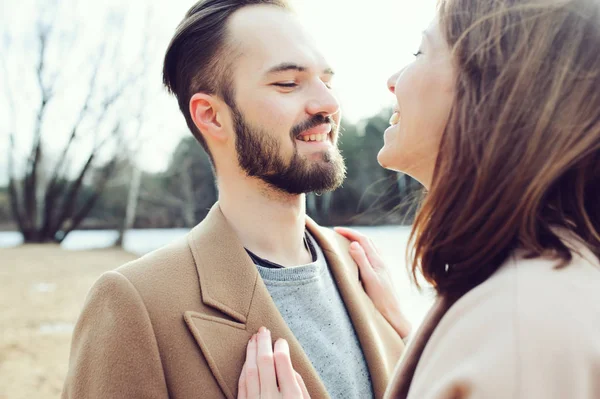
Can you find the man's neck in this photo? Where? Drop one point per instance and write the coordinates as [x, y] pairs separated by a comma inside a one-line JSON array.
[[269, 223]]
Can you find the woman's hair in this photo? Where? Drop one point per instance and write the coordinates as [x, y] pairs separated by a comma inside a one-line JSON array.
[[520, 155]]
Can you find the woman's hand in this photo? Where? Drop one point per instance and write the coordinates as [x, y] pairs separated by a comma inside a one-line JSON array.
[[377, 279], [268, 373]]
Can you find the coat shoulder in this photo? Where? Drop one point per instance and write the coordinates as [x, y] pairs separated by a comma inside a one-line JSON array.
[[166, 278], [170, 259]]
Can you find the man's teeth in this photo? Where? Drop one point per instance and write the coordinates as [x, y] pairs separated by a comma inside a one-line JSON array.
[[395, 118], [314, 137]]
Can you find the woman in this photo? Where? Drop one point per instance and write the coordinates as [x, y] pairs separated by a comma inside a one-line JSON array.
[[499, 118]]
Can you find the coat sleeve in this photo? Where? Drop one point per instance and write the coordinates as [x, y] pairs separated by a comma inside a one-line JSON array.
[[114, 353], [509, 340]]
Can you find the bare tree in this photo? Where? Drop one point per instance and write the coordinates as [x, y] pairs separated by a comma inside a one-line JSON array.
[[51, 197]]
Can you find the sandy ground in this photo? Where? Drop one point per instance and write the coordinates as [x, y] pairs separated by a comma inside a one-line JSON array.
[[42, 290]]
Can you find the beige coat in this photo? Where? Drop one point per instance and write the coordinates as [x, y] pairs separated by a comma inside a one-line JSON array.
[[176, 322], [530, 331]]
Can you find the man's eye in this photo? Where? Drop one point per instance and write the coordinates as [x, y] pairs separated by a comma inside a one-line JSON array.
[[289, 85]]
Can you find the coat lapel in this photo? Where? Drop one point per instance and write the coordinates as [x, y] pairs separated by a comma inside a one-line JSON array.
[[381, 345], [230, 284], [400, 384]]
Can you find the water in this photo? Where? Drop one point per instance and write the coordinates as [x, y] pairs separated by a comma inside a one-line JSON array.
[[390, 240], [56, 328]]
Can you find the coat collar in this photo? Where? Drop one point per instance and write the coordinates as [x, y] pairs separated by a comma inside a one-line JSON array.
[[230, 282], [400, 384], [223, 266]]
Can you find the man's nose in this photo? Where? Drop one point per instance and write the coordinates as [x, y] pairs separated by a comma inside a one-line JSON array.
[[323, 102]]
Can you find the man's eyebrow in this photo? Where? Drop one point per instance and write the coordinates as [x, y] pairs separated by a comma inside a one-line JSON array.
[[288, 66]]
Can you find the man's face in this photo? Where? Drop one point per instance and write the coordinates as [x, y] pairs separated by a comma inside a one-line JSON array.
[[284, 113]]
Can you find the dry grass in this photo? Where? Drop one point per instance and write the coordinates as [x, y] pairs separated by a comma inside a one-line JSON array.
[[42, 290]]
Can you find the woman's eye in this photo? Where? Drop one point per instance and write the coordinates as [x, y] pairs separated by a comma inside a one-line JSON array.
[[418, 53]]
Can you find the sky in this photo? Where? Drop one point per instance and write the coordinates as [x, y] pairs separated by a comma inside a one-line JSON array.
[[365, 42]]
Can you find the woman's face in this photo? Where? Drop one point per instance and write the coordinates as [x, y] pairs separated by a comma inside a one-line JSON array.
[[424, 91]]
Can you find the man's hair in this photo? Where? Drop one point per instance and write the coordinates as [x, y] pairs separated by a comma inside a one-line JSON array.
[[198, 58]]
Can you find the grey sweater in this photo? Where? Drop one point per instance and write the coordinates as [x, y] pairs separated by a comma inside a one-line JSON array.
[[309, 301]]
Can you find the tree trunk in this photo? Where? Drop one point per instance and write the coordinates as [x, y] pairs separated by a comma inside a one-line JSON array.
[[131, 207]]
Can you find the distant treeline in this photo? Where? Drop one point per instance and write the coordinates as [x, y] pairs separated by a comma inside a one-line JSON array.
[[182, 195]]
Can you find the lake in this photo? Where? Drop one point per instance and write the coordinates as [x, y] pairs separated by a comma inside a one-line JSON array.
[[391, 241]]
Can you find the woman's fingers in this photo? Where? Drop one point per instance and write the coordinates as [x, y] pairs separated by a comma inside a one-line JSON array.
[[286, 376], [252, 377], [354, 235], [364, 265], [366, 243], [350, 234], [302, 385], [242, 391], [265, 367], [266, 364]]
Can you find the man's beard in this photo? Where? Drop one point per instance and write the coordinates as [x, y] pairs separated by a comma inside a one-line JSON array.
[[259, 155]]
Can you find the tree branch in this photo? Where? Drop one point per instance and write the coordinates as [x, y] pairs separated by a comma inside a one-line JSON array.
[[13, 188], [31, 177], [76, 220], [54, 190]]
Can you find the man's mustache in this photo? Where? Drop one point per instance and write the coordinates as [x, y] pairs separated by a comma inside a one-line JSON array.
[[315, 121]]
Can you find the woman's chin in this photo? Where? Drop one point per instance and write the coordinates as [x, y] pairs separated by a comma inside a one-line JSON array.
[[385, 159]]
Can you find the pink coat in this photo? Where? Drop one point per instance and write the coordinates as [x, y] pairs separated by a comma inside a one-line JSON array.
[[530, 331]]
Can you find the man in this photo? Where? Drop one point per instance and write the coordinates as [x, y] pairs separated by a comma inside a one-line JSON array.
[[256, 94]]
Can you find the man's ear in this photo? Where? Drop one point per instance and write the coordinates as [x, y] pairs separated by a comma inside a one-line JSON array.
[[207, 113]]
